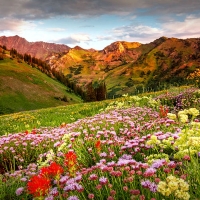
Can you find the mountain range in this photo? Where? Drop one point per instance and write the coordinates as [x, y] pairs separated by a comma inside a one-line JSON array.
[[125, 67]]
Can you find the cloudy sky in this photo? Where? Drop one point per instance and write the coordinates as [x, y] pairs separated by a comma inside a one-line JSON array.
[[97, 23]]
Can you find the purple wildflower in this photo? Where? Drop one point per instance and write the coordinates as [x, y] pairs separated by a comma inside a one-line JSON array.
[[150, 185], [64, 179], [158, 163], [54, 191], [153, 187], [171, 164], [19, 191], [103, 180], [149, 172], [93, 177], [73, 198], [103, 154], [49, 198]]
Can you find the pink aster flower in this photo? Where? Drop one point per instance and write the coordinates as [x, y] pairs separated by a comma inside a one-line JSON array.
[[19, 191], [103, 180]]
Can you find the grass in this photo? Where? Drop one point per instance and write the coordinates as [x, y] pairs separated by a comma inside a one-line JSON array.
[[48, 117], [25, 88]]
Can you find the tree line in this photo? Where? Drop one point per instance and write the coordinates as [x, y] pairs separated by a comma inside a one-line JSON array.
[[92, 91]]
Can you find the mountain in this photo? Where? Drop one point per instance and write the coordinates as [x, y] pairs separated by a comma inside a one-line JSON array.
[[131, 67], [39, 50], [124, 67], [23, 87]]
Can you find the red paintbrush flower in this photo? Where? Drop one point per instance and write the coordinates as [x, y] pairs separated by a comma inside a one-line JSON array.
[[51, 171], [55, 169], [38, 186], [163, 111], [71, 162], [70, 158], [98, 145]]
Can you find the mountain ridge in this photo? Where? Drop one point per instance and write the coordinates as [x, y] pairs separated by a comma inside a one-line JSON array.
[[128, 67], [36, 49]]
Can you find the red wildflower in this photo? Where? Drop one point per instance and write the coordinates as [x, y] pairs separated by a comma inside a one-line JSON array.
[[53, 170], [135, 192], [98, 145], [38, 186], [186, 157], [71, 162], [33, 131], [71, 158], [26, 132], [163, 111]]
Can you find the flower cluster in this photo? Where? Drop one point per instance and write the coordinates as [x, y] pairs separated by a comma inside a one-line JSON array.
[[174, 186]]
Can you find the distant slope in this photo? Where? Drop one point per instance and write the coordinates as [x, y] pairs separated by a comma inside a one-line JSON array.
[[129, 67], [125, 67], [39, 50], [25, 88]]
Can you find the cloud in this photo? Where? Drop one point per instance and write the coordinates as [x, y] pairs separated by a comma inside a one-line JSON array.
[[187, 28], [74, 39], [140, 33], [56, 29], [11, 24], [37, 9]]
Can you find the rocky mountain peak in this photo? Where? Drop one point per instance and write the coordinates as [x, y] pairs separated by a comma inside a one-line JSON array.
[[39, 50]]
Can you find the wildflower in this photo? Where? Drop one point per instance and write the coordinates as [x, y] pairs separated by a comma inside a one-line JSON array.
[[163, 111], [150, 185], [112, 192], [38, 185], [19, 191], [98, 145], [183, 118], [71, 162], [142, 197], [186, 157], [176, 186], [103, 180], [158, 163], [104, 154], [93, 177], [149, 172], [171, 164], [54, 191], [171, 116], [193, 111], [49, 198], [90, 196], [98, 187], [53, 170], [73, 198], [167, 170], [135, 192]]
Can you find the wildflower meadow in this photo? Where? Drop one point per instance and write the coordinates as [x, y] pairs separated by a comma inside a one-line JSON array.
[[134, 148]]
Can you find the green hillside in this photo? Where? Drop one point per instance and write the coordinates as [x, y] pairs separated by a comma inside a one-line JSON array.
[[133, 68], [25, 88]]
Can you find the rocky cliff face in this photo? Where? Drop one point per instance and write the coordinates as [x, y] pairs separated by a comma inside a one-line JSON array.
[[39, 50]]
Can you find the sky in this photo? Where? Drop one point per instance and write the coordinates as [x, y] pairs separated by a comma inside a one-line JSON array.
[[97, 23]]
